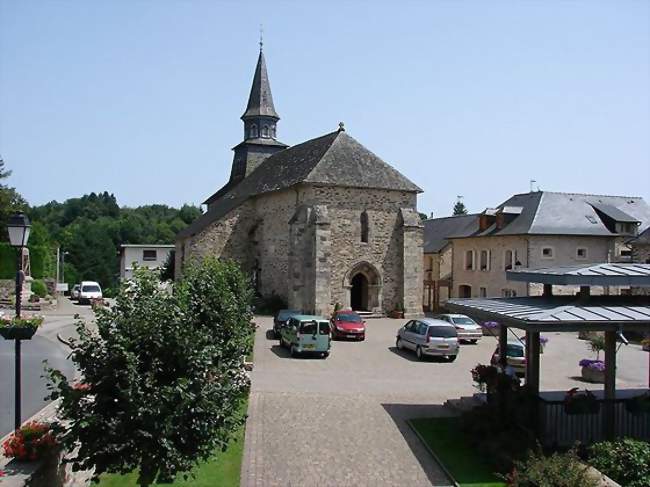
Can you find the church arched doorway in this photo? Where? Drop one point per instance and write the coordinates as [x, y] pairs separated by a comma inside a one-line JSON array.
[[362, 284], [359, 293]]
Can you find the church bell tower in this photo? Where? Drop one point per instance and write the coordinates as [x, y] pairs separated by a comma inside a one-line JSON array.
[[260, 126]]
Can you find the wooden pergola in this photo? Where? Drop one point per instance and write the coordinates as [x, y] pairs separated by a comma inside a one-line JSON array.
[[613, 315]]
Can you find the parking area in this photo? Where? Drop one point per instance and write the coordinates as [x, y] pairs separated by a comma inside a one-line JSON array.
[[340, 421]]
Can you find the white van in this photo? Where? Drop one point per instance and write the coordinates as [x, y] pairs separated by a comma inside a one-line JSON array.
[[89, 290]]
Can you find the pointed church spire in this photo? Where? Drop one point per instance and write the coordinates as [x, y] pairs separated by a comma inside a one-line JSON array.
[[260, 100]]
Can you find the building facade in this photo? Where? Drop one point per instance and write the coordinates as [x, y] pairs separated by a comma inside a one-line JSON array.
[[320, 223], [148, 256], [533, 230]]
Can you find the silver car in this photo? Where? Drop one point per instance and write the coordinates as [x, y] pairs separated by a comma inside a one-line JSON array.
[[428, 337], [467, 328]]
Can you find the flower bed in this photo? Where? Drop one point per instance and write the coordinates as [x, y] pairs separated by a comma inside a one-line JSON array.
[[22, 328], [33, 441], [593, 370], [490, 328]]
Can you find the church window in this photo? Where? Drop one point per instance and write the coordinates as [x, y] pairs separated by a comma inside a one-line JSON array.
[[265, 131], [253, 131], [364, 227], [273, 131]]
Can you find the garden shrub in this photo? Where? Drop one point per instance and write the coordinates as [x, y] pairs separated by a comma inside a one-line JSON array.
[[626, 461], [39, 288], [163, 376], [556, 470]]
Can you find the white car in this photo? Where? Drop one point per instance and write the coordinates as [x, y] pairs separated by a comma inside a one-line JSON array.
[[467, 328], [88, 291], [74, 294]]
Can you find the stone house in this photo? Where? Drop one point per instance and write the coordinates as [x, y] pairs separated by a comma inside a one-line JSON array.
[[323, 222], [640, 248], [533, 230]]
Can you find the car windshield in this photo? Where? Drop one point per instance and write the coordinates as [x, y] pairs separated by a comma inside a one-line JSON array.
[[90, 289], [354, 318], [463, 320], [285, 314], [515, 351], [442, 331]]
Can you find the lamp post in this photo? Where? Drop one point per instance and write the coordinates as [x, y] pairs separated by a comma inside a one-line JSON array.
[[18, 229]]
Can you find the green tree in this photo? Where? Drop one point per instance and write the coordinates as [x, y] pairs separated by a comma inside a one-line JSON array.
[[10, 202], [163, 377], [459, 208]]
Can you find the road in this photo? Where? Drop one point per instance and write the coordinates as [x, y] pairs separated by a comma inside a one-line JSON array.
[[43, 346], [341, 421]]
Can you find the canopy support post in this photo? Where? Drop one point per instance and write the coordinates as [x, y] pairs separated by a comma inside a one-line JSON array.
[[610, 385]]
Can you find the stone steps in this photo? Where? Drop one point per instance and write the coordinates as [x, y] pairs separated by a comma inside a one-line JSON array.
[[463, 404], [370, 315]]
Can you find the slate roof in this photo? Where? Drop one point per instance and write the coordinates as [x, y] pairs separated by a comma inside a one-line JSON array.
[[260, 100], [642, 239], [334, 159], [560, 313], [437, 229], [606, 274]]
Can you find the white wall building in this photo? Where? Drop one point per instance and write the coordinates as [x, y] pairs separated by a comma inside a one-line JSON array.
[[149, 256]]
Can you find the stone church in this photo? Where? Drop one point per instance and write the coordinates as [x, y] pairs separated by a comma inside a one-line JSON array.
[[323, 222]]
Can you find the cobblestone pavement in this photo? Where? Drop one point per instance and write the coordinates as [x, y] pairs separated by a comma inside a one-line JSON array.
[[341, 421]]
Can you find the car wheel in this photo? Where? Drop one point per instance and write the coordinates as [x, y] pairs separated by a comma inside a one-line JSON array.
[[418, 353], [451, 358], [326, 354], [292, 351], [398, 343], [473, 342]]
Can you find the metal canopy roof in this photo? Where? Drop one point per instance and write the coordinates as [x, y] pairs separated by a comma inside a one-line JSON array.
[[599, 313], [586, 275]]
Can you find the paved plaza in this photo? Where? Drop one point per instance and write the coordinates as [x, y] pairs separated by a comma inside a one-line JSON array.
[[341, 421]]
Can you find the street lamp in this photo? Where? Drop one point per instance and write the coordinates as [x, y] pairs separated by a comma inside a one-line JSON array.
[[18, 229]]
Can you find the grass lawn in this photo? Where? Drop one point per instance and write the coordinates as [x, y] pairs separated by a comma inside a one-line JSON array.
[[443, 436], [222, 471]]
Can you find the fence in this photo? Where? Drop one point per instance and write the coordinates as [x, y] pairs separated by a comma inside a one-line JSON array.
[[560, 428]]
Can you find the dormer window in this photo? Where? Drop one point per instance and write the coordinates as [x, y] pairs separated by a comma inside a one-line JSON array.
[[253, 132]]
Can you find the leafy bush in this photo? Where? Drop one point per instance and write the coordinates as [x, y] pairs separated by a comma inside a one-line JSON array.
[[556, 470], [626, 461], [164, 375], [39, 288]]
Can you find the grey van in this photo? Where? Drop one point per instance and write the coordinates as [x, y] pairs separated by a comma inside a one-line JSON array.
[[306, 334], [428, 337]]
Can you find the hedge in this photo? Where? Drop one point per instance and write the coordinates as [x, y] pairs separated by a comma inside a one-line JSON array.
[[42, 261]]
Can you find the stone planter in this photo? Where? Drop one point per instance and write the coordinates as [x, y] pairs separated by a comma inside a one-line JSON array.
[[593, 375], [398, 315]]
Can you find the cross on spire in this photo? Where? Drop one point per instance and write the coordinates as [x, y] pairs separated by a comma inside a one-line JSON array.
[[261, 37]]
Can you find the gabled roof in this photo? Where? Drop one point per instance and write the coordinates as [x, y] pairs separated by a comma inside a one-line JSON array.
[[642, 239], [614, 213], [260, 100], [334, 159], [436, 230]]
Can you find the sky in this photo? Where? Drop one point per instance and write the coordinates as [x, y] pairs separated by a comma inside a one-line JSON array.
[[472, 98]]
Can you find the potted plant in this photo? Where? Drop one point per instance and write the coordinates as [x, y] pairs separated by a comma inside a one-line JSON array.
[[33, 441], [22, 328], [592, 370], [485, 376], [543, 341], [490, 328], [645, 344], [398, 312], [638, 404], [580, 402]]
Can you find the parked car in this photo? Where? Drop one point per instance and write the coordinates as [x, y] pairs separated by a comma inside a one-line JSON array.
[[516, 355], [467, 329], [88, 291], [306, 333], [348, 324], [280, 319], [74, 294], [429, 337]]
